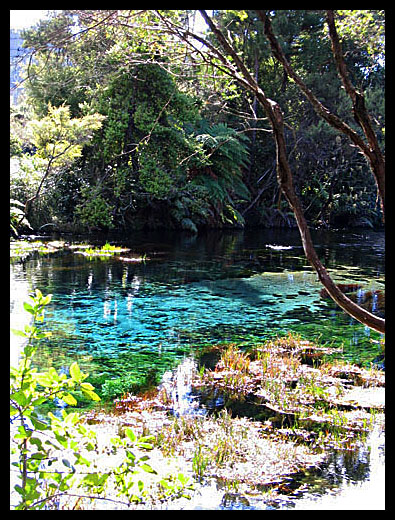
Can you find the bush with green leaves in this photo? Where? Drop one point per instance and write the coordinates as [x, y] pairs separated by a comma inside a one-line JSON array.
[[57, 140], [51, 455], [221, 172], [94, 211], [17, 217], [30, 389]]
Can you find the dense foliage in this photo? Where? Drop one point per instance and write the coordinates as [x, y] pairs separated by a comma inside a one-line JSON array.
[[177, 144]]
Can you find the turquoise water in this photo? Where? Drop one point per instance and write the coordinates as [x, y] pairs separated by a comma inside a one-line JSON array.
[[117, 318], [120, 319]]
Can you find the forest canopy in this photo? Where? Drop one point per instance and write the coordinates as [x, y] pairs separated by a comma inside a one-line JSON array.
[[157, 132]]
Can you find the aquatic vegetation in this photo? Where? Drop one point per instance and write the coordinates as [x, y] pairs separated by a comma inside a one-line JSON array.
[[106, 250], [200, 462], [22, 249], [280, 378], [121, 386], [60, 463], [278, 414], [237, 450]]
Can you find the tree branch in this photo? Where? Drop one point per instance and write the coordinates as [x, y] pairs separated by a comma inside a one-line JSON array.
[[285, 179], [360, 112], [44, 177], [371, 151]]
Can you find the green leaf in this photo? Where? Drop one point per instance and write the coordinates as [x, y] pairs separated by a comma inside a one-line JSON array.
[[82, 460], [19, 333], [37, 442], [131, 456], [90, 394], [165, 484], [145, 445], [143, 458], [38, 456], [28, 308], [47, 299], [87, 386], [68, 464], [14, 372], [44, 379], [62, 440], [20, 398], [41, 335], [19, 489], [53, 374], [38, 424], [39, 401], [23, 433], [148, 468], [130, 433], [75, 372], [93, 479], [147, 438], [182, 478], [69, 399], [70, 418]]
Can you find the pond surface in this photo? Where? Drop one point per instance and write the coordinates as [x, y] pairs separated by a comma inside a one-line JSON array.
[[123, 318], [118, 318]]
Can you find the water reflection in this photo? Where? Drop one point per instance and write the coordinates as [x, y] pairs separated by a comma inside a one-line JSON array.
[[18, 316], [348, 479], [356, 480], [236, 286]]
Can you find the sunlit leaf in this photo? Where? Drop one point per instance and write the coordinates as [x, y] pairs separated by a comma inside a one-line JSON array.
[[75, 372], [148, 468], [69, 399]]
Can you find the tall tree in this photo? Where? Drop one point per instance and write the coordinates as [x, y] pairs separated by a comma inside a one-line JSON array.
[[155, 162], [371, 148], [58, 140], [284, 173]]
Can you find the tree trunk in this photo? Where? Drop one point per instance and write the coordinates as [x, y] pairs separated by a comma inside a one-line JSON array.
[[285, 179], [361, 115], [371, 149]]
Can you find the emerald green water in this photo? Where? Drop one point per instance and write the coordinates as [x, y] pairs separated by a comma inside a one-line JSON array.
[[117, 318]]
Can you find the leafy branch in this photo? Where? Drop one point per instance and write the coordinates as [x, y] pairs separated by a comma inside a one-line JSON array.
[[49, 452]]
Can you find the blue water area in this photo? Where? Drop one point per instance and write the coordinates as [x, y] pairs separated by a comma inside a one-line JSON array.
[[118, 318]]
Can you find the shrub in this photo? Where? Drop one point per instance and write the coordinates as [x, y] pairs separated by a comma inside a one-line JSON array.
[[48, 453]]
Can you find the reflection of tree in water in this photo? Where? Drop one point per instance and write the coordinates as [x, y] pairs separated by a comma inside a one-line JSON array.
[[346, 465], [215, 287]]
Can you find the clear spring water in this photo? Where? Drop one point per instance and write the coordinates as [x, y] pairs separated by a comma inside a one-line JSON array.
[[119, 318], [116, 317]]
